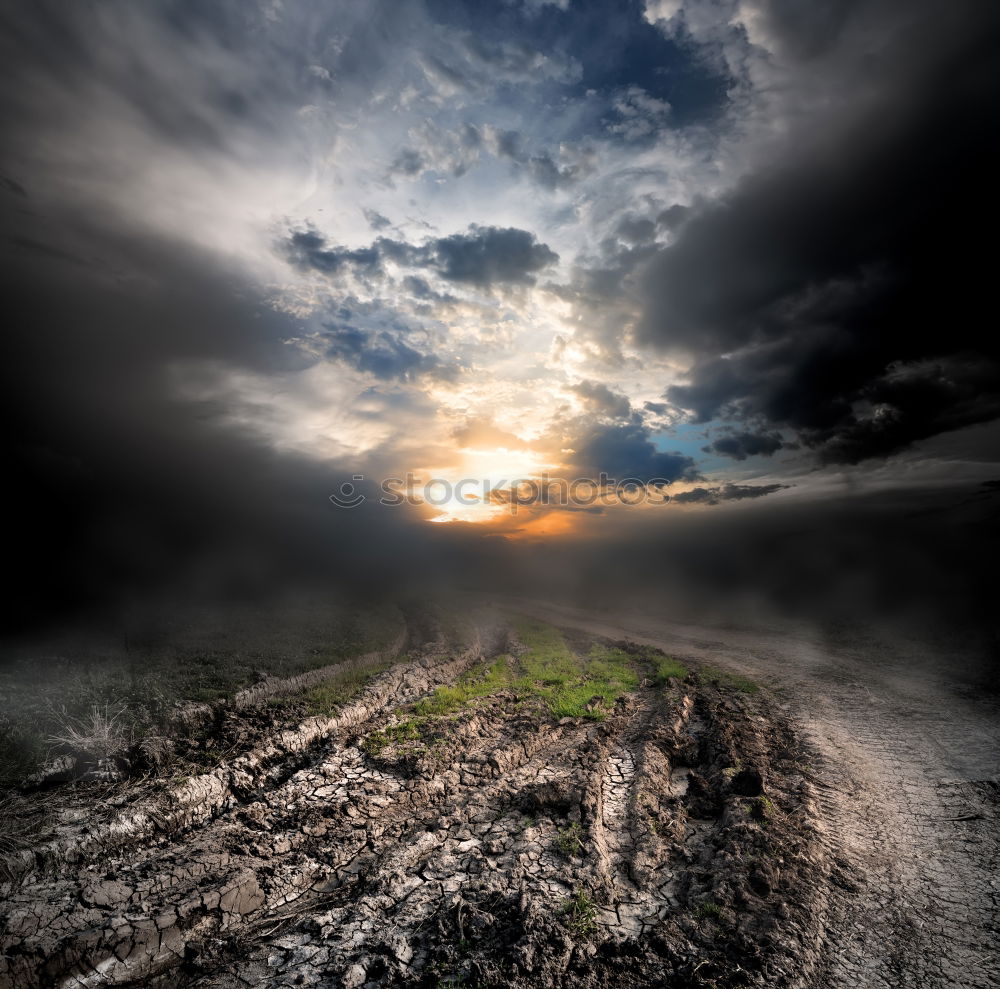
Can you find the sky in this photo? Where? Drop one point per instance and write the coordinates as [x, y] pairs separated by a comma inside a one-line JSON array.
[[258, 252]]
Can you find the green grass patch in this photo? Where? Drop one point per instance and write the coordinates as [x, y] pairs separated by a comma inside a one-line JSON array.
[[579, 913], [569, 840], [548, 672], [481, 681], [405, 731], [666, 668], [548, 662], [708, 911], [334, 693], [570, 686]]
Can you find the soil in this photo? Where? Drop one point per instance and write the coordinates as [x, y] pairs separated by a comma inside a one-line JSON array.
[[672, 839], [905, 767]]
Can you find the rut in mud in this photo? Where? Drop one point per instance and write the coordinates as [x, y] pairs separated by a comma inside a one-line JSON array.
[[905, 765], [664, 833]]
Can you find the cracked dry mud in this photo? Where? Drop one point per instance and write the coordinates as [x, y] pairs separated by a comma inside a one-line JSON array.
[[905, 765], [671, 841]]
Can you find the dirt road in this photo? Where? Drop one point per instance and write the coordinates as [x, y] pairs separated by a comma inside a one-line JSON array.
[[838, 830], [907, 782]]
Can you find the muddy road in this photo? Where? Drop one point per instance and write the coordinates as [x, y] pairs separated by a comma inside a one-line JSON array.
[[562, 800], [541, 808], [906, 777]]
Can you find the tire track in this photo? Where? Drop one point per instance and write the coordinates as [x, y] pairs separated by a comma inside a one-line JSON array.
[[905, 781]]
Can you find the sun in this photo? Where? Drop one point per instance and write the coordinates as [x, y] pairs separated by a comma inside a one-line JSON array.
[[466, 493]]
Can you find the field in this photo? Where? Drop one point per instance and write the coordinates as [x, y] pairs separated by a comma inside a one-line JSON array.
[[490, 800]]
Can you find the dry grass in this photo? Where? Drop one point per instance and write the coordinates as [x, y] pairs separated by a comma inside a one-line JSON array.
[[95, 692], [100, 734]]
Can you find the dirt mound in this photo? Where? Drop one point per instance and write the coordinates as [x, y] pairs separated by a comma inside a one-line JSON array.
[[664, 834]]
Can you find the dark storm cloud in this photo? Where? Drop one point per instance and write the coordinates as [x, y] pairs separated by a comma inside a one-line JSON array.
[[806, 31], [913, 401], [482, 256], [741, 445], [673, 216], [119, 488], [835, 293], [881, 558], [599, 291], [625, 450], [635, 229], [725, 492], [800, 292]]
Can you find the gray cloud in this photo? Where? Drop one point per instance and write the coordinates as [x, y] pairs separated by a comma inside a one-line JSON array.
[[539, 166], [376, 220], [453, 152], [408, 162], [635, 229], [482, 256], [740, 445], [309, 249], [798, 293], [491, 255], [725, 492], [637, 115], [380, 353], [466, 61], [599, 398], [625, 450]]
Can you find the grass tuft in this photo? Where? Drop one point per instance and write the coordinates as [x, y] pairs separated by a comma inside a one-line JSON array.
[[709, 910], [669, 668], [579, 913], [569, 840], [99, 734], [405, 731]]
